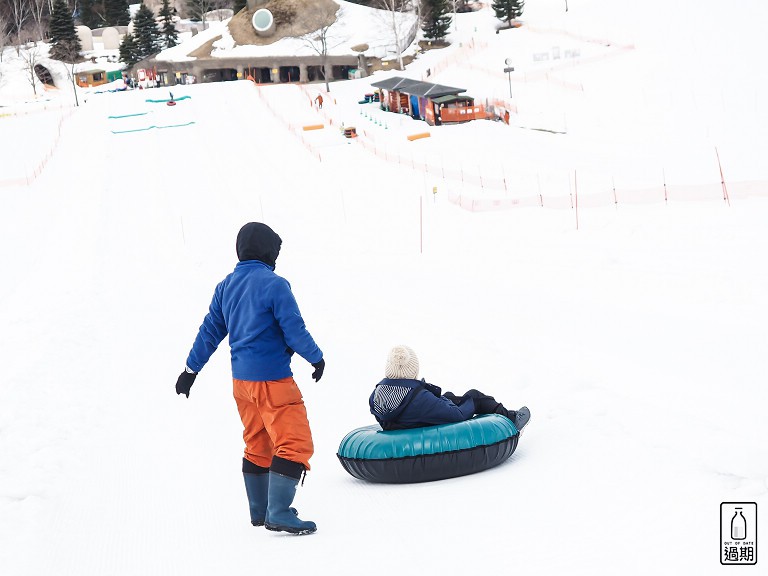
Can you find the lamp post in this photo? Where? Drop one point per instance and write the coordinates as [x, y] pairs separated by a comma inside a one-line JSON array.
[[509, 69]]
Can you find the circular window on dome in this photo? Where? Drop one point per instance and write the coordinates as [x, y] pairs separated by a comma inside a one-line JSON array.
[[263, 22]]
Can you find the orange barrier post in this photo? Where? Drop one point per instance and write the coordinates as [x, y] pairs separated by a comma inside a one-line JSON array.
[[313, 127], [413, 137]]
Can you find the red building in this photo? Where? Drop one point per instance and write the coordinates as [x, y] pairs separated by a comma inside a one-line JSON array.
[[434, 103]]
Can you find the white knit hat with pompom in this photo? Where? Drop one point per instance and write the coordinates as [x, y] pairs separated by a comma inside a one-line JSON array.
[[402, 363]]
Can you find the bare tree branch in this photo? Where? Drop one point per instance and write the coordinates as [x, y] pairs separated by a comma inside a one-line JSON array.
[[31, 56], [326, 15], [20, 12], [38, 9], [4, 34], [395, 9]]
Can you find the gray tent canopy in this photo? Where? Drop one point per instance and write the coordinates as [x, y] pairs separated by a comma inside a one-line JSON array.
[[417, 87]]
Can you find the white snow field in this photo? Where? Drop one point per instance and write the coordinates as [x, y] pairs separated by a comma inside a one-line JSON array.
[[590, 261]]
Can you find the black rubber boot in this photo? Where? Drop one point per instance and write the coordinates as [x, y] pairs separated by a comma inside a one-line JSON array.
[[485, 404], [284, 476], [257, 489], [522, 416]]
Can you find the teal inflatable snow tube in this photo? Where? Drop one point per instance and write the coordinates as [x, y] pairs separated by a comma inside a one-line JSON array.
[[429, 453]]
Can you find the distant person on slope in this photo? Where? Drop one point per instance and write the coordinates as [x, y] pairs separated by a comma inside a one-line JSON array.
[[401, 401], [256, 307]]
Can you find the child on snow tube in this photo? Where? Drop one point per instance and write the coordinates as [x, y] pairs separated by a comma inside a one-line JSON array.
[[401, 401]]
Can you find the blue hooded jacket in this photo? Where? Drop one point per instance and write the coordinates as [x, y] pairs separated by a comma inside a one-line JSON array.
[[398, 404], [256, 307]]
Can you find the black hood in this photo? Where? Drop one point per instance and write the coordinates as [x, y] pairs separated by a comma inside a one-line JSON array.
[[257, 241]]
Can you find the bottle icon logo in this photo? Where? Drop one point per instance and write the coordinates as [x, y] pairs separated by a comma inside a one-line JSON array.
[[738, 533], [738, 525]]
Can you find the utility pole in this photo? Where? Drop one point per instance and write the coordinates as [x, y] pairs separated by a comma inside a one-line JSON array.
[[509, 69]]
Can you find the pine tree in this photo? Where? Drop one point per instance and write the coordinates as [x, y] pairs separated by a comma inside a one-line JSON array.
[[436, 22], [65, 44], [238, 5], [169, 32], [129, 50], [146, 32], [116, 13], [508, 10]]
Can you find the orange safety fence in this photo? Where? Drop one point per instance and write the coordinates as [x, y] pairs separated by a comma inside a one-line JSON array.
[[33, 165], [691, 193], [483, 189], [295, 130]]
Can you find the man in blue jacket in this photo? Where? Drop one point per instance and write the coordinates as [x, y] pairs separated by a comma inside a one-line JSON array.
[[401, 401], [257, 309]]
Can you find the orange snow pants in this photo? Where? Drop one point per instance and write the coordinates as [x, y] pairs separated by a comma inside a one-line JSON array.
[[274, 420]]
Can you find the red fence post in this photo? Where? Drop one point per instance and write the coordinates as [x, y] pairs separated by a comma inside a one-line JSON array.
[[722, 179]]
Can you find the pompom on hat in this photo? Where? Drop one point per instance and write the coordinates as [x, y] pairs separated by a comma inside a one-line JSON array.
[[402, 363]]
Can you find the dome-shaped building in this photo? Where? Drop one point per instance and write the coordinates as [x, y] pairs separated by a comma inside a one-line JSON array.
[[274, 41]]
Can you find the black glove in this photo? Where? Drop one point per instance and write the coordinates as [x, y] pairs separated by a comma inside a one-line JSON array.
[[319, 367], [185, 381]]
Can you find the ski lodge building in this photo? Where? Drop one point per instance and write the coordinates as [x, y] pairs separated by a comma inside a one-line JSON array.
[[434, 103]]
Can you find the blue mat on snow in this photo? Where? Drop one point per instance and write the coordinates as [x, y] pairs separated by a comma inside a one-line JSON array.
[[167, 100], [152, 127]]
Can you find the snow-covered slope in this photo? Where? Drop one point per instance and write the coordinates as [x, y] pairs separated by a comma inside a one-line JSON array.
[[634, 331]]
